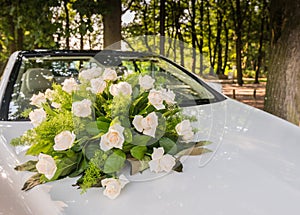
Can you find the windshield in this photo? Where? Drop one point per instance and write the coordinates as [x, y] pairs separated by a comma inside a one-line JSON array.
[[37, 74]]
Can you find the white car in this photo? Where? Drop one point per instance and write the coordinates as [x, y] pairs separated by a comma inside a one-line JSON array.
[[253, 166]]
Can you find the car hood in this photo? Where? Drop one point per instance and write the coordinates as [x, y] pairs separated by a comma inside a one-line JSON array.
[[253, 169]]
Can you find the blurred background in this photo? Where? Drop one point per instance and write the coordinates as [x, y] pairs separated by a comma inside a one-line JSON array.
[[251, 47]]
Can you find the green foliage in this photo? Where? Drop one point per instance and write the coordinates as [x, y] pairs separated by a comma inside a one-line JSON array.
[[43, 139], [169, 145], [114, 162], [138, 152], [91, 178]]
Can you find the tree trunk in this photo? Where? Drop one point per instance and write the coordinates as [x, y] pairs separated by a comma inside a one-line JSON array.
[[67, 24], [283, 86], [260, 53], [211, 59], [162, 18], [193, 34], [12, 43], [238, 44], [112, 24], [201, 35], [226, 47], [218, 46]]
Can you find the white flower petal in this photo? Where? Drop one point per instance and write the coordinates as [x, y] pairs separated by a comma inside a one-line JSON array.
[[137, 122], [82, 108], [146, 82], [89, 74], [155, 98], [97, 85], [183, 127], [150, 132], [167, 162], [49, 94], [114, 138], [64, 140], [122, 88], [104, 143], [157, 153], [188, 136], [70, 85], [38, 100], [112, 187], [46, 165], [37, 116], [154, 166], [109, 74]]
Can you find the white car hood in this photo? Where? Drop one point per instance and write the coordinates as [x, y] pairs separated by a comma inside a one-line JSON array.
[[254, 169]]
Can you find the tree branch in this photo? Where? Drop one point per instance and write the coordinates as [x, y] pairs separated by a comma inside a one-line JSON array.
[[129, 5]]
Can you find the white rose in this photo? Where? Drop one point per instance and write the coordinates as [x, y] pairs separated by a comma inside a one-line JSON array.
[[82, 108], [46, 165], [49, 94], [109, 74], [150, 122], [56, 105], [185, 130], [161, 162], [146, 82], [64, 140], [70, 85], [114, 138], [37, 116], [137, 122], [156, 99], [122, 88], [38, 100], [188, 136], [169, 96], [89, 74], [97, 85], [113, 186], [146, 125]]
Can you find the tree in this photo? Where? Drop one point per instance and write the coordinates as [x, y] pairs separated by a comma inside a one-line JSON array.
[[283, 86], [112, 22], [238, 26]]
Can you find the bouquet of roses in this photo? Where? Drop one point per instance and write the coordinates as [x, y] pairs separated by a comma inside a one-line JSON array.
[[94, 126]]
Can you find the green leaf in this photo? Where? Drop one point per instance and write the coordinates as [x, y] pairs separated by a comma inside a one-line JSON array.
[[39, 147], [65, 166], [169, 145], [103, 124], [81, 166], [193, 151], [16, 141], [114, 162], [140, 140], [161, 128], [128, 135], [28, 166], [92, 128], [203, 143], [32, 182], [81, 143], [138, 152], [90, 149]]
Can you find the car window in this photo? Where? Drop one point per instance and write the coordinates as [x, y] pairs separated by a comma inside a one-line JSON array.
[[38, 74], [188, 91]]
